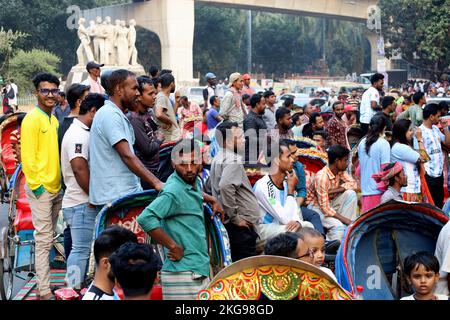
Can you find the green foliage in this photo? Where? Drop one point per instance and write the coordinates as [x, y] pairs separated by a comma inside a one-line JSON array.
[[8, 40], [281, 43], [420, 29], [26, 64]]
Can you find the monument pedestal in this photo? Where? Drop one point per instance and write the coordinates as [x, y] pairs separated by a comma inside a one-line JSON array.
[[79, 73]]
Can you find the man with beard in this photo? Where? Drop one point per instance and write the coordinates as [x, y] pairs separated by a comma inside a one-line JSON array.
[[106, 244], [175, 220], [283, 129], [316, 123], [337, 127], [164, 112], [115, 170], [147, 143], [42, 171]]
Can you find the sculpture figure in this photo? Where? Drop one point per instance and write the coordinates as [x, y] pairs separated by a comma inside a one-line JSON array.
[[110, 33], [84, 52], [132, 51], [122, 44], [99, 36]]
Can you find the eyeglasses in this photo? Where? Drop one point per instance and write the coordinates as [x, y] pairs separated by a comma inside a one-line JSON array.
[[46, 92], [309, 254]]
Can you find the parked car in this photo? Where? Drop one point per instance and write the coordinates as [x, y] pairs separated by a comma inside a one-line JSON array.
[[195, 94], [298, 97]]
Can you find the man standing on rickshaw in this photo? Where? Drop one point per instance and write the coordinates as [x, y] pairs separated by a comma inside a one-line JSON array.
[[42, 171]]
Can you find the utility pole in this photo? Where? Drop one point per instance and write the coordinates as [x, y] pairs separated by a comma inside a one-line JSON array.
[[249, 42]]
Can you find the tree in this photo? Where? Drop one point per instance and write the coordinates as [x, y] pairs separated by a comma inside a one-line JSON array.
[[419, 30], [26, 64], [7, 41]]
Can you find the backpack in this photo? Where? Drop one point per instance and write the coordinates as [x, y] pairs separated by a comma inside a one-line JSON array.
[[10, 94]]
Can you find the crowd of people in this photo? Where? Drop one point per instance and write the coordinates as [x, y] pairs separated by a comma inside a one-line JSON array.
[[102, 139]]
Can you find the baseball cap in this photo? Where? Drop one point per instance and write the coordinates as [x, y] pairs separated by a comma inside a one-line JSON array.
[[246, 77], [93, 65], [210, 75]]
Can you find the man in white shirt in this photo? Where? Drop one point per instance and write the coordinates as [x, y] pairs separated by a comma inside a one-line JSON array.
[[93, 79], [432, 140], [370, 102], [13, 102], [75, 170], [277, 199], [442, 253], [210, 90]]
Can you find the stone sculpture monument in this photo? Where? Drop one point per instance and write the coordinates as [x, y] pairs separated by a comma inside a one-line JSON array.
[[113, 45]]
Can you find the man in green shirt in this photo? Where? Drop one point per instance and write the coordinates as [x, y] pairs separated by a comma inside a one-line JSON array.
[[175, 220], [415, 112]]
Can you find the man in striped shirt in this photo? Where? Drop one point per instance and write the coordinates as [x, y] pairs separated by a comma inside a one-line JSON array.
[[334, 194]]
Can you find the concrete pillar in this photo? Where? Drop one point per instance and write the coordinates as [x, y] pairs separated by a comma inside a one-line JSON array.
[[373, 38], [172, 20], [177, 38]]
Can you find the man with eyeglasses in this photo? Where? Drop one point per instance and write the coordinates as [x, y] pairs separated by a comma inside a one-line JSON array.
[[41, 166], [289, 245]]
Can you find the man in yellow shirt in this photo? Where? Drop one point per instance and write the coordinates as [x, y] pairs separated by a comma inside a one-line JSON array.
[[40, 164]]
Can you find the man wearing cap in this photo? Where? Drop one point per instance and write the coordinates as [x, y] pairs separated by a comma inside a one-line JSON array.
[[232, 108], [93, 79], [247, 89], [210, 89]]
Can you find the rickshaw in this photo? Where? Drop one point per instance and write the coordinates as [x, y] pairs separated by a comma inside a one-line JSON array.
[[8, 123], [376, 244], [273, 278], [124, 212]]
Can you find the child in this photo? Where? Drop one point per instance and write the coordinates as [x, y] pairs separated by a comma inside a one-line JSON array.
[[316, 243], [136, 267], [422, 270]]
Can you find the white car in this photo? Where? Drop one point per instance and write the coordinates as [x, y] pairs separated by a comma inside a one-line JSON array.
[[298, 97], [195, 94]]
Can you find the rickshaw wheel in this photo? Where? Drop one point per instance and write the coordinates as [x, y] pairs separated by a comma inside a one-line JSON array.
[[6, 269]]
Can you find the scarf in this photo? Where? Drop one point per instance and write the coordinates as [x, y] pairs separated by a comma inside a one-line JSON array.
[[382, 178]]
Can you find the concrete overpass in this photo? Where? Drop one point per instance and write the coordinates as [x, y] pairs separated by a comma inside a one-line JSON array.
[[174, 20]]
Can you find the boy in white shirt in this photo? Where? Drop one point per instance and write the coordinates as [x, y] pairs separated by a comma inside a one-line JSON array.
[[76, 174], [277, 199], [422, 270]]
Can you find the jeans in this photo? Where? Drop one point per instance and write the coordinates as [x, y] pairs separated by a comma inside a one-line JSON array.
[[82, 224], [67, 242], [313, 217]]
